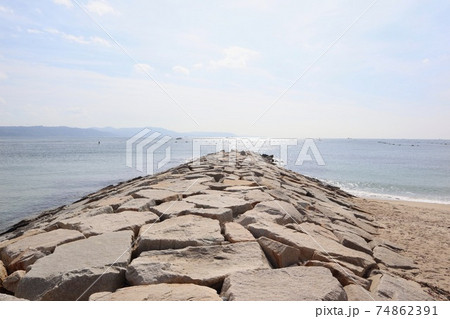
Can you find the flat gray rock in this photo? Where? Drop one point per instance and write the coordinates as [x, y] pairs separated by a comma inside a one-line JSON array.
[[104, 223], [344, 275], [387, 244], [392, 259], [279, 255], [284, 284], [387, 287], [274, 211], [113, 201], [183, 187], [281, 194], [179, 232], [241, 189], [235, 232], [137, 205], [353, 241], [278, 207], [216, 186], [180, 208], [172, 209], [237, 205], [314, 246], [159, 292], [238, 182], [28, 233], [365, 225], [202, 265], [99, 211], [255, 196], [254, 216], [157, 196], [268, 182], [346, 227], [23, 253], [69, 272], [313, 230]]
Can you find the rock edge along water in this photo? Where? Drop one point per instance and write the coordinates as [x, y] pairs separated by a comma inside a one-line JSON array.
[[196, 231]]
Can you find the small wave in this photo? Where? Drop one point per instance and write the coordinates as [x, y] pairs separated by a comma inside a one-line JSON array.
[[366, 194], [355, 189], [412, 198]]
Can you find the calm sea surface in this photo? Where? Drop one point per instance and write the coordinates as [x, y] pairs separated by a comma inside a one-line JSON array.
[[36, 175]]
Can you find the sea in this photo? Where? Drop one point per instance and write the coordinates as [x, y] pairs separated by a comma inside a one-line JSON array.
[[41, 174]]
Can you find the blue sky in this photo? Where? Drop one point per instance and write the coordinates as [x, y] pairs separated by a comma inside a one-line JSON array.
[[221, 64]]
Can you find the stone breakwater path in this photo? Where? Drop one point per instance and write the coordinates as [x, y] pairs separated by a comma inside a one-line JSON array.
[[230, 226]]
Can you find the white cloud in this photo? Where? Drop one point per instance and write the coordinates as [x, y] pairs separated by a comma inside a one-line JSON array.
[[100, 7], [34, 31], [2, 100], [426, 61], [75, 38], [3, 76], [235, 58], [181, 70], [6, 10], [142, 68], [99, 40], [66, 3], [198, 66]]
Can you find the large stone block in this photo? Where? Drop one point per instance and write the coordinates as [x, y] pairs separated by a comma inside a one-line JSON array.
[[279, 255], [104, 223], [222, 200], [202, 265], [159, 292], [157, 196], [180, 208], [23, 253], [388, 287], [79, 269], [284, 284], [314, 246], [179, 232], [235, 232], [392, 259]]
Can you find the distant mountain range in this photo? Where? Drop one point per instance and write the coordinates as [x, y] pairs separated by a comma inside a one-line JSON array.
[[74, 132]]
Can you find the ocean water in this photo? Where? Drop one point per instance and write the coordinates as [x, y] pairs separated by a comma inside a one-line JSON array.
[[416, 170], [36, 174]]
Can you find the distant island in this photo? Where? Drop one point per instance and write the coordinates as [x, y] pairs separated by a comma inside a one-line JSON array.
[[74, 132]]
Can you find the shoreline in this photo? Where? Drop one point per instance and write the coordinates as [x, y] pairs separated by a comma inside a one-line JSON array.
[[418, 203], [375, 196], [394, 198]]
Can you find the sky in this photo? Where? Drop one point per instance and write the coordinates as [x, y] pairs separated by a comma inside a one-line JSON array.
[[360, 69]]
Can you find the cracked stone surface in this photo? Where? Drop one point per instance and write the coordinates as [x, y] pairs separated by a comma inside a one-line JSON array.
[[229, 223]]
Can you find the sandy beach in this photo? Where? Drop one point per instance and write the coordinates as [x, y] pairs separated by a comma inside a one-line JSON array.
[[424, 231]]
